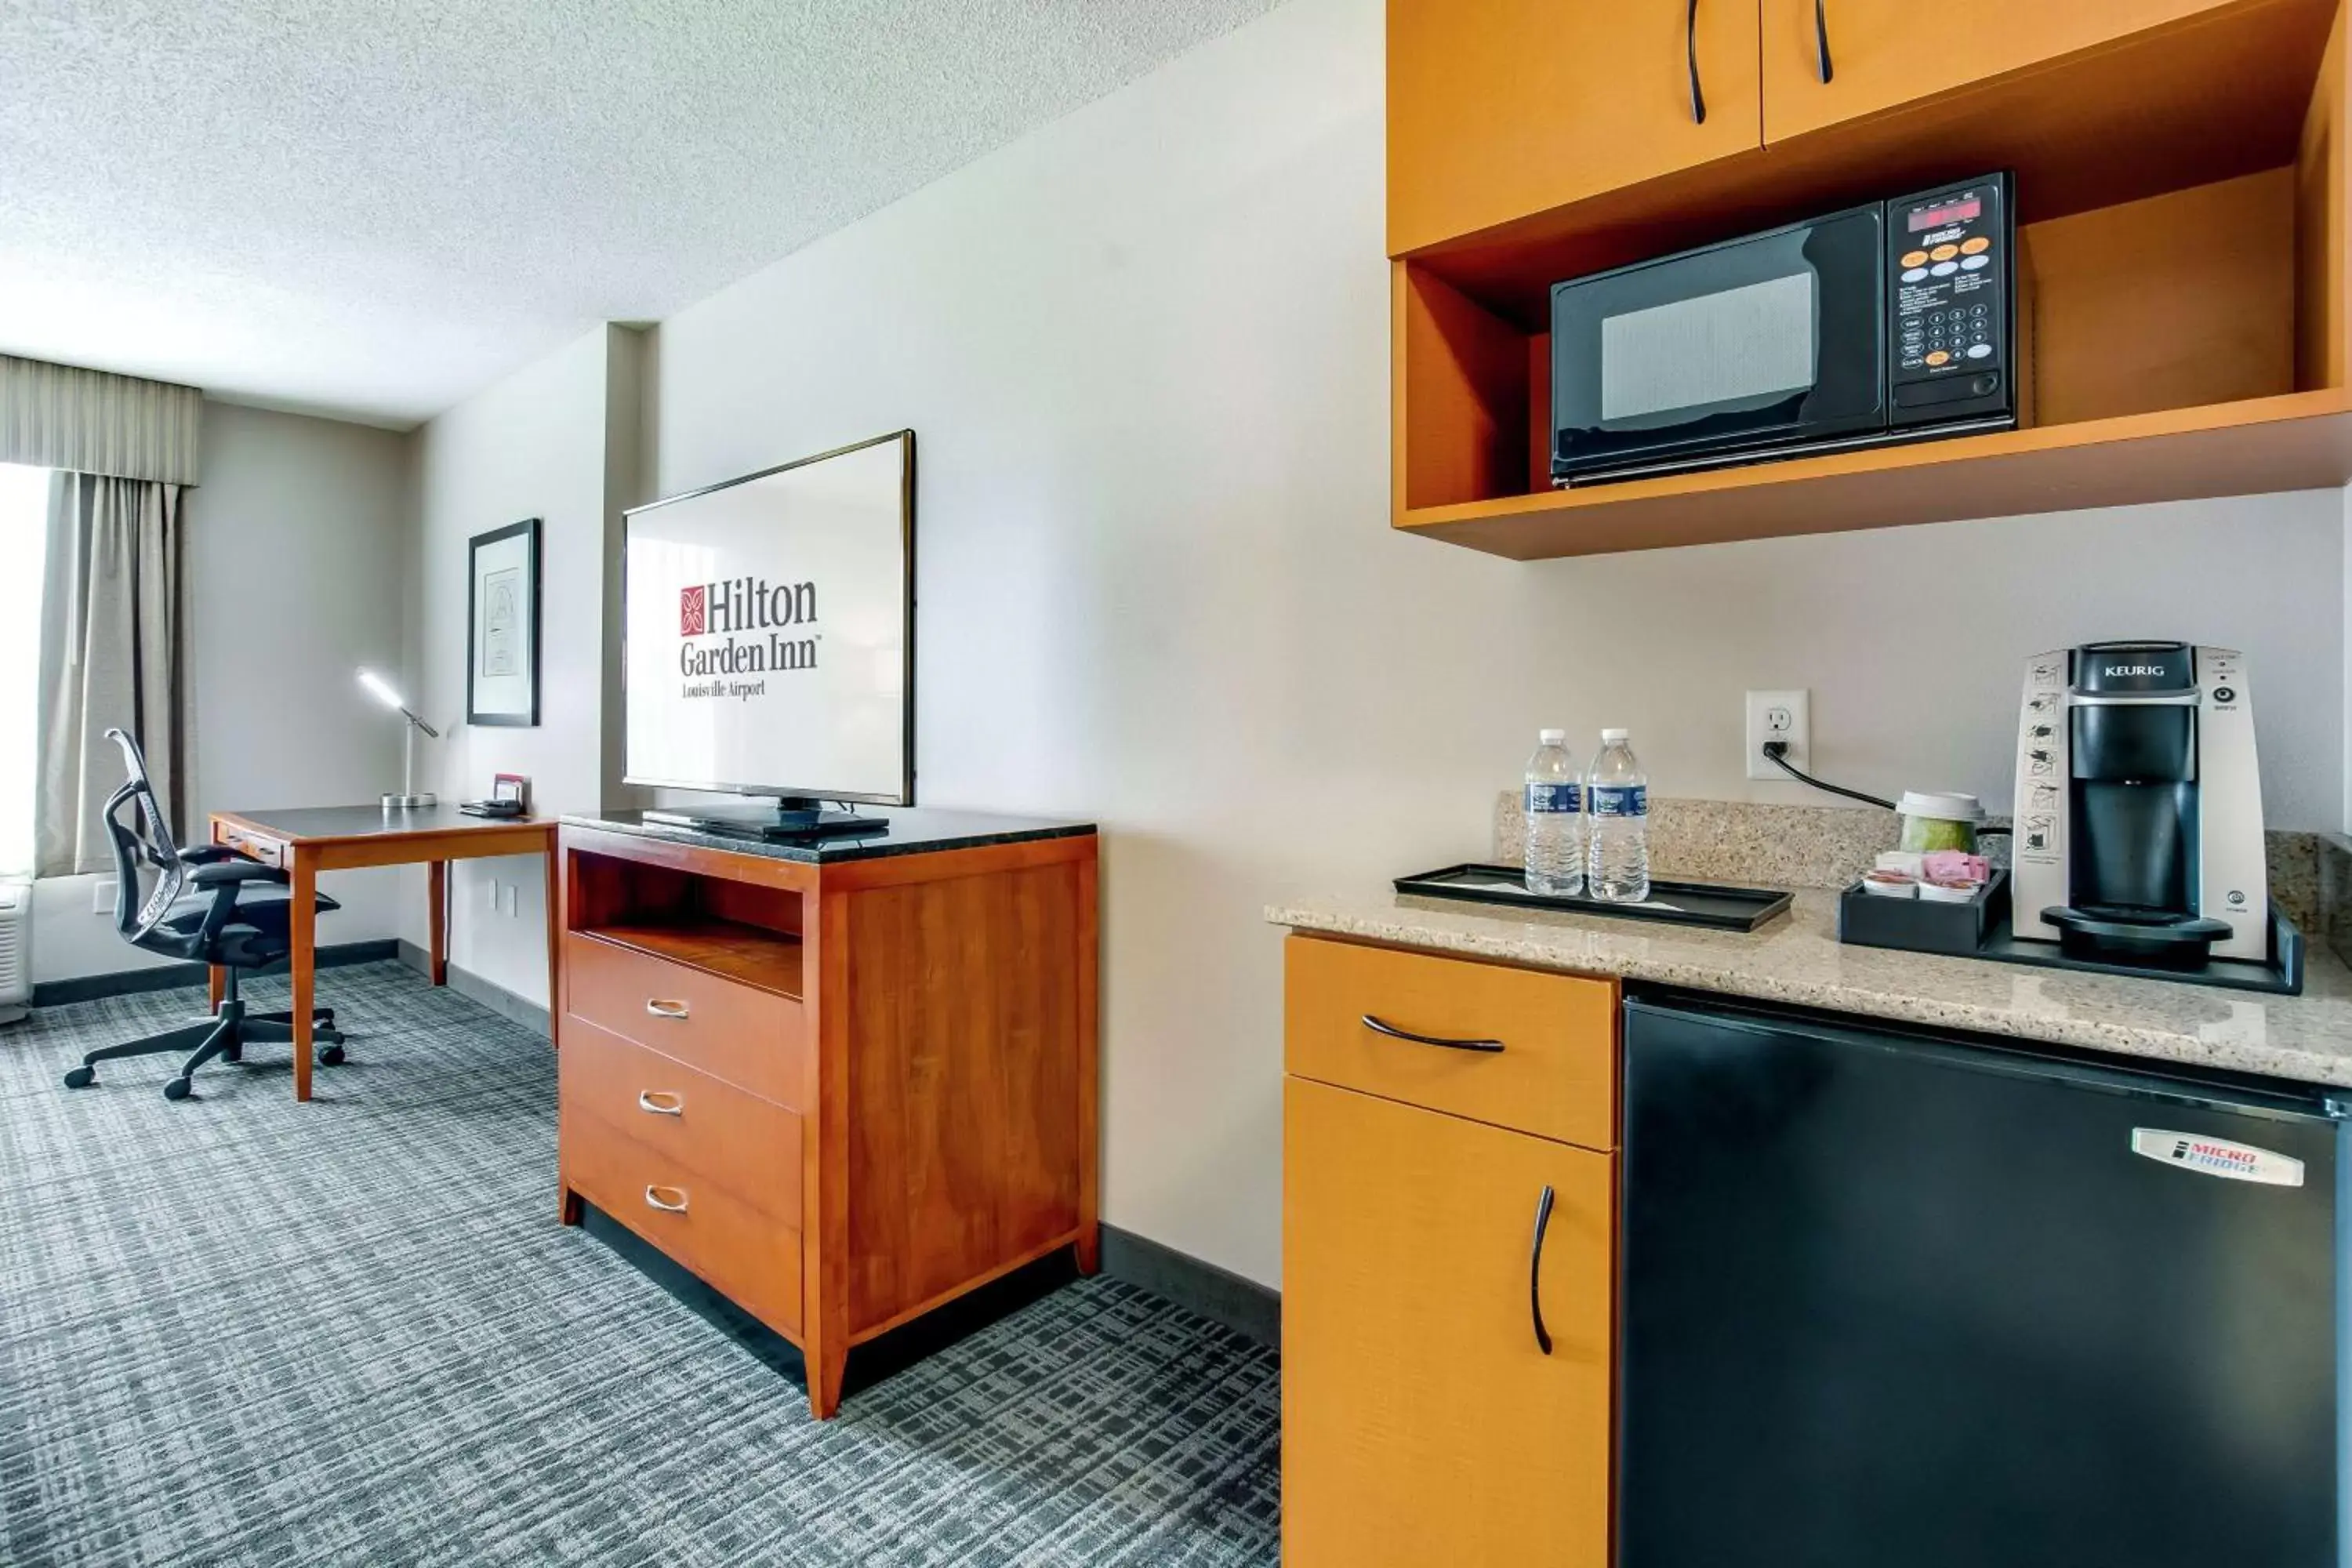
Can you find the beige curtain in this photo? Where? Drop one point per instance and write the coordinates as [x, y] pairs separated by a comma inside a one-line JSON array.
[[109, 657]]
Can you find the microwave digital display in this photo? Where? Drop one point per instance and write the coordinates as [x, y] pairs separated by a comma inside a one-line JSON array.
[[1951, 212]]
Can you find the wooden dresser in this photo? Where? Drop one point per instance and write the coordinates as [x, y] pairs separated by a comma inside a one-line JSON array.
[[1448, 1301], [842, 1084]]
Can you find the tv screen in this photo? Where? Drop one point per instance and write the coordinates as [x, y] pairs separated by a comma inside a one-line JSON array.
[[768, 639]]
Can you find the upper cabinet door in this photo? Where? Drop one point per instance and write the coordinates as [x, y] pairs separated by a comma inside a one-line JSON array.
[[1500, 108], [1876, 54]]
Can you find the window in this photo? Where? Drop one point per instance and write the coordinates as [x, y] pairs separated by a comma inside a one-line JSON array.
[[24, 528]]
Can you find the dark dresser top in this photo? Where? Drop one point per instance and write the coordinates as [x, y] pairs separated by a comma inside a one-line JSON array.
[[914, 830]]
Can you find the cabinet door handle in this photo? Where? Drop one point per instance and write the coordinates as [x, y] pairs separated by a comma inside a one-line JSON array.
[[1535, 1272], [655, 1200], [661, 1009], [1380, 1027], [1690, 56], [1822, 40], [661, 1102]]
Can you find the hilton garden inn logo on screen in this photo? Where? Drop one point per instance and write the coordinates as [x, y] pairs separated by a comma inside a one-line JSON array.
[[745, 625]]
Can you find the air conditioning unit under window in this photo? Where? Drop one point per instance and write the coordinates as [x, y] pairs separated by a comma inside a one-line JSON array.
[[15, 949]]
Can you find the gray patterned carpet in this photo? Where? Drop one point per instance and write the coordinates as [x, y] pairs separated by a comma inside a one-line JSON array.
[[237, 1331]]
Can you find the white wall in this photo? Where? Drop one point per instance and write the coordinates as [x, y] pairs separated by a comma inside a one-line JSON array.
[[556, 441], [1146, 353], [296, 545]]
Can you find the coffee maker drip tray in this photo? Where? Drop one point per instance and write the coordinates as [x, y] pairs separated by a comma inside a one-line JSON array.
[[2166, 938]]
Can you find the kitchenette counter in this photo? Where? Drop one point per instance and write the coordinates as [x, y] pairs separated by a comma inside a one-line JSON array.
[[1797, 959]]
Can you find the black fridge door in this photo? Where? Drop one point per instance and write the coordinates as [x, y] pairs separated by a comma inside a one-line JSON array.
[[1891, 1302]]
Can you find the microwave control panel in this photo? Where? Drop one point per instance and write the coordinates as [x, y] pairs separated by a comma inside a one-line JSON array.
[[1949, 260]]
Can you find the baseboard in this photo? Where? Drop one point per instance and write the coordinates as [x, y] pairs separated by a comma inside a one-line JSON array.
[[172, 976], [1242, 1305], [489, 992]]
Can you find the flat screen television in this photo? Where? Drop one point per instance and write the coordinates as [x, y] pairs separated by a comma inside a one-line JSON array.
[[768, 642]]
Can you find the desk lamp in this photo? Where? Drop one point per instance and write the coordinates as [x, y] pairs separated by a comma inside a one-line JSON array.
[[408, 796]]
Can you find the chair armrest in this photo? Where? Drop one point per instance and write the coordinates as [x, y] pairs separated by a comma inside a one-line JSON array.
[[230, 873], [209, 854]]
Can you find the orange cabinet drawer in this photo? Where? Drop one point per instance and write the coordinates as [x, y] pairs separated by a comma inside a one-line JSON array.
[[723, 1134], [747, 1254], [752, 1039], [1348, 1011]]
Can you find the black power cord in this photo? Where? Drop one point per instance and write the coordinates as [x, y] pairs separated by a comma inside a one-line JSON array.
[[1777, 753]]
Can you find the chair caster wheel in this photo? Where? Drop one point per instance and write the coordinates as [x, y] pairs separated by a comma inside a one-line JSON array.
[[177, 1088], [333, 1057], [81, 1078]]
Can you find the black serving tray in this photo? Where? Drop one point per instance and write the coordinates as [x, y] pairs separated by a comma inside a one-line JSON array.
[[1982, 929], [1675, 903]]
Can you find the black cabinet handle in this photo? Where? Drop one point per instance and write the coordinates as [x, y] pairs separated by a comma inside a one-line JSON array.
[[1394, 1033], [1690, 51], [1534, 1273], [1821, 41]]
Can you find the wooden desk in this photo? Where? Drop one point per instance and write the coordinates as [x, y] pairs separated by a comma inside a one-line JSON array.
[[306, 841]]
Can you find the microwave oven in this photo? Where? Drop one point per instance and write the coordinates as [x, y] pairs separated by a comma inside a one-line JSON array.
[[1895, 322]]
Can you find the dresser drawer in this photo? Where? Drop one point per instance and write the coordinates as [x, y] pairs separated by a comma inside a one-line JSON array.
[[737, 1034], [723, 1134], [747, 1255], [1555, 1076]]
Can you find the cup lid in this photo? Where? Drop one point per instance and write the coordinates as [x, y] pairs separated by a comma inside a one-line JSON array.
[[1943, 807]]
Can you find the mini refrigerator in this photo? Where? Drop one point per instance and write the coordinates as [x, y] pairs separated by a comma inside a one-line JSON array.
[[1892, 1298]]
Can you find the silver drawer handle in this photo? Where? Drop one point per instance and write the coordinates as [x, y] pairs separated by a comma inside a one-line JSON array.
[[654, 1199], [661, 1009], [661, 1102]]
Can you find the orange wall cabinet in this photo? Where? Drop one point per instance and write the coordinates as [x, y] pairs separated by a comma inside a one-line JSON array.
[[1882, 53], [2188, 152], [1500, 108], [1425, 1421]]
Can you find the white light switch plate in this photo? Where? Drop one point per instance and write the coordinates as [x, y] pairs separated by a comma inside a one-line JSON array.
[[1779, 716]]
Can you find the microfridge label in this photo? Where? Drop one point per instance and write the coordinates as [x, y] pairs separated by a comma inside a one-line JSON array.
[[2216, 1157]]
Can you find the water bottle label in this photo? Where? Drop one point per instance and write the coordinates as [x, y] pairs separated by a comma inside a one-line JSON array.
[[1549, 798], [1621, 800]]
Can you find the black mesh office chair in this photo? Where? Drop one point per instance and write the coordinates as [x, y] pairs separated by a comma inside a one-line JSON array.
[[209, 905]]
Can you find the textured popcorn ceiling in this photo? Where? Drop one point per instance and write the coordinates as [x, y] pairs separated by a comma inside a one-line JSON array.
[[375, 207]]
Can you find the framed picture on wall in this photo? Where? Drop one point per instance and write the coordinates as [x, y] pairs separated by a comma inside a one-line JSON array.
[[503, 627]]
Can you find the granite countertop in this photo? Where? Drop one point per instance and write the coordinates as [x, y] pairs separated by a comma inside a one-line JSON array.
[[914, 830], [1797, 959]]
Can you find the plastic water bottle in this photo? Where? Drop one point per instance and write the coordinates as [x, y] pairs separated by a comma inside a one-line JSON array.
[[1555, 819], [1619, 851]]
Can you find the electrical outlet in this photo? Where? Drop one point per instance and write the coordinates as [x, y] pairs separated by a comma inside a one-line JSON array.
[[101, 896], [1779, 716]]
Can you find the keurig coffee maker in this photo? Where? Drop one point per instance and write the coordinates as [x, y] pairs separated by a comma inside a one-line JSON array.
[[2139, 808]]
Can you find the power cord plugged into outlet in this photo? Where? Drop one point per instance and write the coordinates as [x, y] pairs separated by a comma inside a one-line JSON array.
[[1777, 753]]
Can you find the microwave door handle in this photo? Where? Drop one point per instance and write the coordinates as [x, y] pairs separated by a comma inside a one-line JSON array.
[[1821, 41], [1690, 57]]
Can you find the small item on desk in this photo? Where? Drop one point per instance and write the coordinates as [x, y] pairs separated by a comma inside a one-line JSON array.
[[1910, 862], [506, 798], [1942, 892], [1890, 884]]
